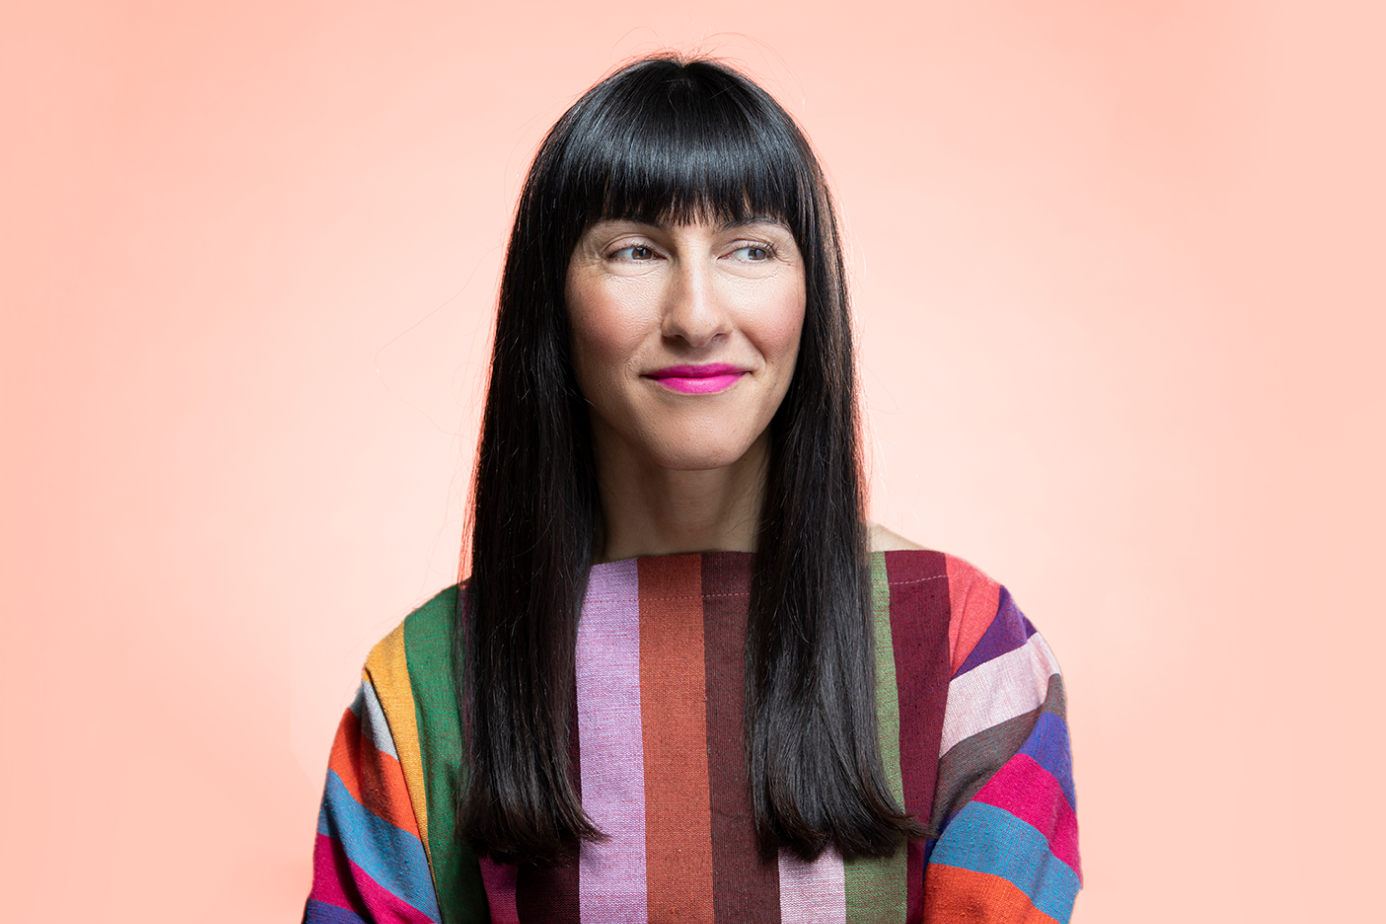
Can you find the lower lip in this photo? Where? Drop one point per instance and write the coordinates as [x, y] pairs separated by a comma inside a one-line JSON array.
[[705, 385]]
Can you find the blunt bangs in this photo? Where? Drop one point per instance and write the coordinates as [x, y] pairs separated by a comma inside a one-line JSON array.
[[678, 143]]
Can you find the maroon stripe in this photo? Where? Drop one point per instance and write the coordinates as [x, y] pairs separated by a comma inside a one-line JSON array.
[[919, 611], [744, 887], [550, 895]]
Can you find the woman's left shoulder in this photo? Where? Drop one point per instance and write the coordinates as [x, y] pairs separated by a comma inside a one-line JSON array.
[[978, 606], [886, 540]]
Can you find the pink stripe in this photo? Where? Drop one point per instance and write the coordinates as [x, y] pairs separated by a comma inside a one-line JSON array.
[[813, 893], [499, 880], [331, 873], [611, 884], [1030, 793]]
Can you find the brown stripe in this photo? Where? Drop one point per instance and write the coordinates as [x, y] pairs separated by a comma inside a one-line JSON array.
[[549, 895], [919, 612], [745, 887], [678, 847]]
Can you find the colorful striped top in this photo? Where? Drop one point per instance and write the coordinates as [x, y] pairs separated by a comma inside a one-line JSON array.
[[972, 734]]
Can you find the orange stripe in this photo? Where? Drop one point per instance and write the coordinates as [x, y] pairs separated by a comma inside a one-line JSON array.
[[953, 895], [673, 714], [973, 598], [374, 779]]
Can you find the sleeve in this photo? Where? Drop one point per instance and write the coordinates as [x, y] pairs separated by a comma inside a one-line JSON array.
[[369, 863], [1007, 836]]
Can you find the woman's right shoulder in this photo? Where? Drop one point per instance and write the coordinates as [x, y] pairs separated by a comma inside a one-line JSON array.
[[422, 645]]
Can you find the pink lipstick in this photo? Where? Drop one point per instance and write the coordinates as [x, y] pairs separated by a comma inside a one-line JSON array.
[[698, 380]]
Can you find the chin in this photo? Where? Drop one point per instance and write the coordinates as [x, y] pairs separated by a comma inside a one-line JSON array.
[[697, 459]]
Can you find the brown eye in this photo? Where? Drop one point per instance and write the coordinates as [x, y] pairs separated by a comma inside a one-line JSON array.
[[753, 253], [636, 252]]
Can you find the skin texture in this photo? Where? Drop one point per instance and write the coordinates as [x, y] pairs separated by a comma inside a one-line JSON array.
[[680, 472]]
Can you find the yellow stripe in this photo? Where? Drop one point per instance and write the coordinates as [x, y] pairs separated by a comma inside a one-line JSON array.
[[387, 671]]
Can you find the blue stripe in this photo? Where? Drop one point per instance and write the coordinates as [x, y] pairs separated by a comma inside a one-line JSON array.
[[1048, 747], [987, 839], [322, 913], [394, 858]]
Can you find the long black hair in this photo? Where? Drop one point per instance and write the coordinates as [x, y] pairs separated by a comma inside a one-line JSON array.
[[665, 139]]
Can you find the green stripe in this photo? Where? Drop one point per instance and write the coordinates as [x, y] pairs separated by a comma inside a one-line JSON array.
[[876, 889], [428, 651]]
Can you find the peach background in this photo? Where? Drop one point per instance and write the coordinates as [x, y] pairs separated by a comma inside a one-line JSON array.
[[1118, 272]]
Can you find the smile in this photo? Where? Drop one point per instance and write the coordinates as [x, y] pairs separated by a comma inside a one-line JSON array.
[[698, 380]]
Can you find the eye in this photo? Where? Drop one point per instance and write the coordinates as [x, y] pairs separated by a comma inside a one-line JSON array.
[[753, 253], [636, 253]]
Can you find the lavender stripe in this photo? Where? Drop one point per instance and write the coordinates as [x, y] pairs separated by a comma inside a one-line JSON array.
[[813, 893], [612, 873]]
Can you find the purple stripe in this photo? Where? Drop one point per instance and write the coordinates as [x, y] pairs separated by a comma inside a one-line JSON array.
[[1048, 747], [1007, 632], [612, 873], [322, 913]]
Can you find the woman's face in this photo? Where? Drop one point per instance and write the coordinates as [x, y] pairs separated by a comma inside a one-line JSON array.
[[684, 335]]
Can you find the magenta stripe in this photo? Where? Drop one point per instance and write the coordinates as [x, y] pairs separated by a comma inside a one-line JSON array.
[[379, 902], [330, 872], [612, 873], [1030, 793], [499, 880], [813, 893]]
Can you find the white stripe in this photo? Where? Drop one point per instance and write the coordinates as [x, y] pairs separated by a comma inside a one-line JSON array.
[[374, 725], [813, 893], [1000, 689]]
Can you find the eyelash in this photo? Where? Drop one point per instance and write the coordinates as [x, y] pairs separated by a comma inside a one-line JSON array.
[[767, 249]]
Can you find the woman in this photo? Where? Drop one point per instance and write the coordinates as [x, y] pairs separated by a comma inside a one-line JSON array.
[[685, 680]]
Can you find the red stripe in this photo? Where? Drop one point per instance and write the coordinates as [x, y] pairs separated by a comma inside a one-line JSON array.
[[974, 598], [500, 880], [373, 778], [746, 888], [549, 895], [678, 838], [1030, 793], [919, 617], [963, 896]]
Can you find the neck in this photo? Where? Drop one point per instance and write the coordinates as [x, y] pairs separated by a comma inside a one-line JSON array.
[[651, 510]]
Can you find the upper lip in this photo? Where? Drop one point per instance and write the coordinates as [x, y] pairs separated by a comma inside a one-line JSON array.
[[695, 372]]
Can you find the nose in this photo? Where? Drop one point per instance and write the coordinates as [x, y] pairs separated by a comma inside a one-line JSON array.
[[694, 311]]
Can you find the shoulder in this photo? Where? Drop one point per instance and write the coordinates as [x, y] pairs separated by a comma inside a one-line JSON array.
[[885, 540], [421, 645], [978, 606]]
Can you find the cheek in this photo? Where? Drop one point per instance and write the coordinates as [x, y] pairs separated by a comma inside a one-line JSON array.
[[780, 329], [604, 338]]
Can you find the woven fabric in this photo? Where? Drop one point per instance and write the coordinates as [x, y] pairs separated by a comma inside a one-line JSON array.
[[970, 712]]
